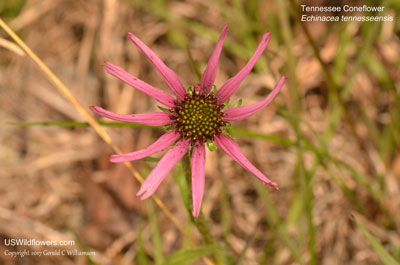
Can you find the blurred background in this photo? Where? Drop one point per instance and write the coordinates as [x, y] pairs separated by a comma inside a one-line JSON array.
[[330, 138]]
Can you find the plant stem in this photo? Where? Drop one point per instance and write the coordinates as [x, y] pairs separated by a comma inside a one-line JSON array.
[[200, 222]]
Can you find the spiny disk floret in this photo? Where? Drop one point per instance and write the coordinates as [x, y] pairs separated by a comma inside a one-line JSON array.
[[199, 117]]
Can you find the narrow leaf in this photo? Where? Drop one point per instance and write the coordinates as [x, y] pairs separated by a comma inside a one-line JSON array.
[[188, 256], [379, 249]]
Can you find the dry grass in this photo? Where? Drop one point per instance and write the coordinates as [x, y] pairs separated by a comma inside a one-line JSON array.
[[56, 183]]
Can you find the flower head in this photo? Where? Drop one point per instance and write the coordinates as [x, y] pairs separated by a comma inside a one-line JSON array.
[[195, 117]]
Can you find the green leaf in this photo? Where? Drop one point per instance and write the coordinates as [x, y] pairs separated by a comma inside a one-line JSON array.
[[184, 181], [11, 9], [211, 145], [269, 137], [195, 65], [83, 124], [214, 89], [379, 249], [277, 222], [155, 233], [238, 103], [188, 256], [163, 109], [190, 90], [249, 242], [141, 257]]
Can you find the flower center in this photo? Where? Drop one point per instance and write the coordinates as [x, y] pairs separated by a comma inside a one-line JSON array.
[[199, 117]]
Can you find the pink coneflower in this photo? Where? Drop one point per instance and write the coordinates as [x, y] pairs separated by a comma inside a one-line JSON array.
[[195, 117]]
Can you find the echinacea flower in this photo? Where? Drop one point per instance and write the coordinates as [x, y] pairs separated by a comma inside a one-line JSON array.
[[195, 117]]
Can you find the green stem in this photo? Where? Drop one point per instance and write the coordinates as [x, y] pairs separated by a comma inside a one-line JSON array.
[[194, 65], [200, 222], [305, 177], [73, 124]]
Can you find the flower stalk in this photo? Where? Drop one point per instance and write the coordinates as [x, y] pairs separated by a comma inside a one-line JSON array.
[[199, 222]]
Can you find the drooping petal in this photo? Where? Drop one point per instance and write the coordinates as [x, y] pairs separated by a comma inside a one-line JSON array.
[[162, 169], [163, 142], [233, 150], [242, 112], [230, 86], [157, 94], [169, 76], [152, 118], [198, 161], [208, 77]]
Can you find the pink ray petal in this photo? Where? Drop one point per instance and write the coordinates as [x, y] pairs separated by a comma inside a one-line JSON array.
[[242, 112], [162, 169], [233, 150], [198, 162], [157, 94], [230, 86], [163, 142], [169, 76], [152, 118], [208, 77]]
